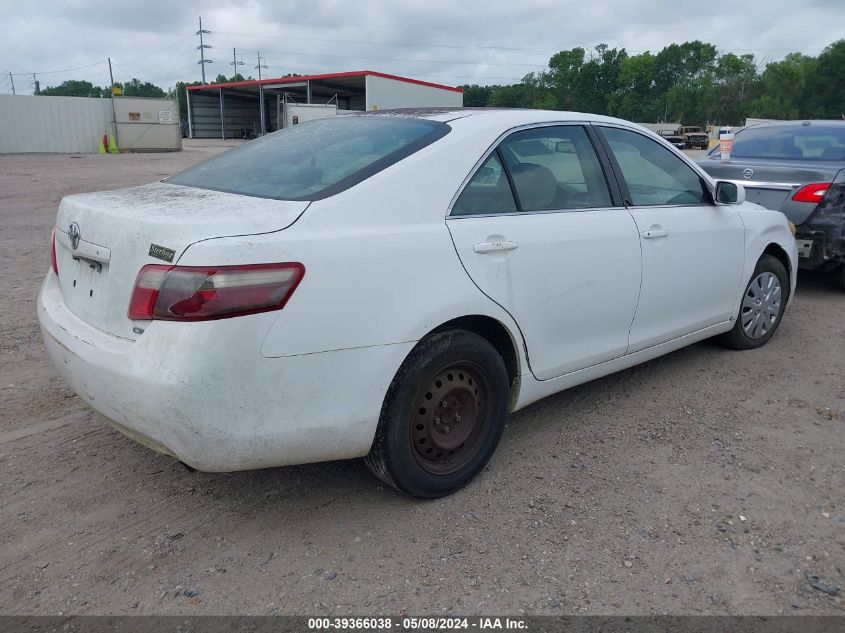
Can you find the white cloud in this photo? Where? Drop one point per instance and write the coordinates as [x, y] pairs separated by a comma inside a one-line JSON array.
[[439, 40]]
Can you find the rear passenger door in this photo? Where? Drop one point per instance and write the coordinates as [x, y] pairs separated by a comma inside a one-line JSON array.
[[540, 232], [693, 250]]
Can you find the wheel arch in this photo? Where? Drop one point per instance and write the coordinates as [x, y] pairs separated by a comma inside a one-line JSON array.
[[499, 336], [777, 251]]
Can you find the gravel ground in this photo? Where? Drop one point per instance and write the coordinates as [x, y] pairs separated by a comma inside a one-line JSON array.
[[707, 481]]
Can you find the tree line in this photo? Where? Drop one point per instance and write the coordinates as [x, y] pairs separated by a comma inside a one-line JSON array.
[[689, 83], [77, 88]]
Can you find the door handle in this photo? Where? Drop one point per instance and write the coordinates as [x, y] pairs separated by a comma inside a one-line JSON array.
[[655, 233], [490, 247]]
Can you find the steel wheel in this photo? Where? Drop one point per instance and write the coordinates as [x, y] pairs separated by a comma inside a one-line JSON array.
[[450, 418], [761, 305], [443, 415]]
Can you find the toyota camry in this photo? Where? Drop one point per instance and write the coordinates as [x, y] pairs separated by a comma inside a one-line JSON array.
[[391, 285]]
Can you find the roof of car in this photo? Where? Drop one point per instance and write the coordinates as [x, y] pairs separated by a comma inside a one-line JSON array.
[[798, 123], [487, 116]]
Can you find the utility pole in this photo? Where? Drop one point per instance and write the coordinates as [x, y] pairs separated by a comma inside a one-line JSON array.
[[12, 79], [260, 66], [203, 61], [261, 94], [235, 63]]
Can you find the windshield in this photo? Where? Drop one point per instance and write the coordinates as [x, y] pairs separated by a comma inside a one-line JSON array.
[[802, 142], [313, 160]]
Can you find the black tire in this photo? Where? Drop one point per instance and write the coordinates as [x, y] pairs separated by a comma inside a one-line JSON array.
[[446, 376], [738, 338]]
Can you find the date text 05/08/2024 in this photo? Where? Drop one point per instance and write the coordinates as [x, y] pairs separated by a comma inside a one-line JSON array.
[[417, 624]]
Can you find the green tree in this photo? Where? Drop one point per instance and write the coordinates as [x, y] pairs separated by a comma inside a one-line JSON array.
[[182, 97], [786, 88], [564, 68], [476, 96], [828, 83], [597, 79], [633, 97], [75, 88], [136, 88], [735, 77], [513, 96], [683, 77]]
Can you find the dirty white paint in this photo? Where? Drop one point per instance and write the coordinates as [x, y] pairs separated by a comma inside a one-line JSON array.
[[382, 270]]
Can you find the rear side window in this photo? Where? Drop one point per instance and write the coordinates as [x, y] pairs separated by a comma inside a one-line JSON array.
[[550, 168], [487, 192], [654, 175], [555, 168], [810, 142], [313, 160]]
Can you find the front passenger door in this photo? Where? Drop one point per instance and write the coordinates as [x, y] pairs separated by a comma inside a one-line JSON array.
[[693, 250]]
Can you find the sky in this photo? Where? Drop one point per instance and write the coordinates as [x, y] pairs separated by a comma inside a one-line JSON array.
[[443, 41]]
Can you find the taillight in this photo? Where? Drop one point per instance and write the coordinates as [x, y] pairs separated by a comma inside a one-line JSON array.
[[55, 262], [202, 293], [811, 193]]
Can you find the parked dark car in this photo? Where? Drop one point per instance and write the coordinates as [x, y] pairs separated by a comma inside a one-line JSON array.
[[674, 138], [797, 167]]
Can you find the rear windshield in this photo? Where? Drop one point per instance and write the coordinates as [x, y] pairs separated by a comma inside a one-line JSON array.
[[313, 160], [805, 142]]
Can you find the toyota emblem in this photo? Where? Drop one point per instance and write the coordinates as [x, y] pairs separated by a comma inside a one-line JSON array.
[[73, 235], [748, 173]]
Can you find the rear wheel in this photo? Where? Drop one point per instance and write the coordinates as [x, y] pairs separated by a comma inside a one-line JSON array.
[[762, 305], [442, 417]]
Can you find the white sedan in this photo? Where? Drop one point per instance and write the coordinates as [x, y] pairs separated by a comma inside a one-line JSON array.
[[392, 285]]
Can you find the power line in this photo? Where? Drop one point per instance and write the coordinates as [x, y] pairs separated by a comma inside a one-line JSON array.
[[52, 72], [159, 50], [406, 60], [372, 42], [123, 70]]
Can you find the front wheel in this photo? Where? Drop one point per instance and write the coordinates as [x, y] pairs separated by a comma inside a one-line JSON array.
[[762, 306], [442, 417]]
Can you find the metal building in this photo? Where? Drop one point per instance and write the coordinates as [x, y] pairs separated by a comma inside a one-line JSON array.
[[245, 109]]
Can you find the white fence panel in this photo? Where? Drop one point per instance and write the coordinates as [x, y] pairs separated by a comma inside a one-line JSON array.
[[33, 123]]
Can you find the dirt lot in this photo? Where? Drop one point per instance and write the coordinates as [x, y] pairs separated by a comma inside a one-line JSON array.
[[707, 481]]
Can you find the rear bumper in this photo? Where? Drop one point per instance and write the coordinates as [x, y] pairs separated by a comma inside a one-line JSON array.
[[204, 394], [828, 245]]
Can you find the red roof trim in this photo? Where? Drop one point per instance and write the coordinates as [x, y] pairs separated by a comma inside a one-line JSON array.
[[355, 73]]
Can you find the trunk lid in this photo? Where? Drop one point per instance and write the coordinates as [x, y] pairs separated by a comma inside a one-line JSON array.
[[115, 233], [771, 183]]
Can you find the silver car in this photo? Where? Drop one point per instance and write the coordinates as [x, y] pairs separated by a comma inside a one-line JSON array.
[[797, 167]]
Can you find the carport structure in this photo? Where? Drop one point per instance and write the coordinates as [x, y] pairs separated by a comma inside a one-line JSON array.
[[251, 108]]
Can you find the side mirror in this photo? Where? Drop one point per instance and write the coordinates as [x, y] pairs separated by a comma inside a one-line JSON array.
[[729, 192]]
